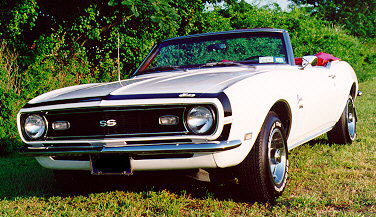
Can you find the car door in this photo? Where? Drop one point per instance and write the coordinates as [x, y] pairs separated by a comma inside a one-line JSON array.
[[339, 92], [315, 100]]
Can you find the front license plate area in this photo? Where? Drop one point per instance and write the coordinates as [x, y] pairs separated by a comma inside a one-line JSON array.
[[110, 165]]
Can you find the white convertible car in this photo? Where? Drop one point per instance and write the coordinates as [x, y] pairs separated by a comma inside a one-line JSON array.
[[232, 103]]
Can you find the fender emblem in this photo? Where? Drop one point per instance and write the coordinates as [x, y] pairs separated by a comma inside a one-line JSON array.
[[187, 95], [108, 123]]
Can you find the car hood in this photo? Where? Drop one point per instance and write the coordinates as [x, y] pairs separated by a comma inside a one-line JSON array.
[[206, 80]]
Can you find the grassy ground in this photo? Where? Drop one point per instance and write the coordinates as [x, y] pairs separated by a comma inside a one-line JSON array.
[[324, 180]]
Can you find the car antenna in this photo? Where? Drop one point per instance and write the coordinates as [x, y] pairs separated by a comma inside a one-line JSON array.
[[118, 57]]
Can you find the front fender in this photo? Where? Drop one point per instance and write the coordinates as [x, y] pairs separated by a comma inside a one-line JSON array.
[[250, 107]]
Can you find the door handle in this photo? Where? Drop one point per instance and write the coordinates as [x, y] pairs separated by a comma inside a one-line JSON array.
[[300, 103], [332, 76]]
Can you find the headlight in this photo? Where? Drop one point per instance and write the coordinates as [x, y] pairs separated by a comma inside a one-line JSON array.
[[200, 120], [35, 126]]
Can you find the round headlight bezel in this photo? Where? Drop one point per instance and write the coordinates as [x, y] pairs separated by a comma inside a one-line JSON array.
[[209, 129], [37, 134]]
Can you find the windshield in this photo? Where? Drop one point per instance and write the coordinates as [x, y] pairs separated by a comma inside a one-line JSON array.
[[217, 50]]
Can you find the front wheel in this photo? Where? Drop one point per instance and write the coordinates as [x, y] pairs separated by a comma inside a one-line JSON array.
[[344, 132], [263, 173]]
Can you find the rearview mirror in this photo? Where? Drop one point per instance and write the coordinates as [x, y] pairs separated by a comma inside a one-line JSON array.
[[215, 47], [309, 61]]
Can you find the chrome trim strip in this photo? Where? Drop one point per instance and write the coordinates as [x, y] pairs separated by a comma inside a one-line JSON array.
[[115, 135], [117, 140], [124, 108], [134, 149], [262, 30], [121, 109]]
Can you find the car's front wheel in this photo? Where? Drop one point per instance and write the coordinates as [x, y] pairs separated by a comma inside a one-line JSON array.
[[263, 173]]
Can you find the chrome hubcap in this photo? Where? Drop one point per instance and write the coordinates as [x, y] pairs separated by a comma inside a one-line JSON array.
[[351, 119], [277, 156]]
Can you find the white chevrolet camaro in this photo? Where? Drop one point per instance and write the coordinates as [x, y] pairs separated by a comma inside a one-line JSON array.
[[232, 103]]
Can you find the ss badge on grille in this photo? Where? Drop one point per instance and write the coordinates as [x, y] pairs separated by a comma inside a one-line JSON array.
[[108, 123]]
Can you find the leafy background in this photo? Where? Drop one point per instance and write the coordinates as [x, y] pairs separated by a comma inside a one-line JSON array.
[[49, 44]]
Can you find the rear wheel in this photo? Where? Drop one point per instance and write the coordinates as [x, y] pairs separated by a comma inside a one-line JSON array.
[[344, 132], [263, 173]]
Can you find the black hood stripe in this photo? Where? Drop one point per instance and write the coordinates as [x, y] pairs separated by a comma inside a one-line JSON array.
[[222, 97], [64, 101]]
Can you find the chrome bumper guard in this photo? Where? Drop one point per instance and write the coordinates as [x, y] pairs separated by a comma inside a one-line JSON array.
[[133, 149]]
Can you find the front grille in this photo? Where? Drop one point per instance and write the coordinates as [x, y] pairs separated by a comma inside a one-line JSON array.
[[85, 123]]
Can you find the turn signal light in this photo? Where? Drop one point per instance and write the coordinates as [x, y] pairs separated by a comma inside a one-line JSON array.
[[168, 120], [60, 125]]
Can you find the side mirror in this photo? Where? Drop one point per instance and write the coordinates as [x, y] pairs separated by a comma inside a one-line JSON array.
[[309, 61]]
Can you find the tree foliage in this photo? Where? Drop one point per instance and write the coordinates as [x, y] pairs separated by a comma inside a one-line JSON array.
[[64, 29], [358, 16]]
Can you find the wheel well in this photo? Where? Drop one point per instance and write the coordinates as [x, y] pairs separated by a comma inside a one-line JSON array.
[[282, 109], [353, 91]]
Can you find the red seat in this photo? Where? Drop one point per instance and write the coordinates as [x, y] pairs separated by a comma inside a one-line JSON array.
[[322, 59], [298, 61]]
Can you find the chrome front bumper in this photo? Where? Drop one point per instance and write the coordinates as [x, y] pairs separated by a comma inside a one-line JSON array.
[[208, 147]]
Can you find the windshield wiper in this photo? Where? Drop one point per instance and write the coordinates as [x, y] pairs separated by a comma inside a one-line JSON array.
[[213, 64], [163, 68]]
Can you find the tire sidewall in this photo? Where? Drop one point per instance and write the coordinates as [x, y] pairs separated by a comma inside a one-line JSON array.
[[270, 125], [340, 134], [351, 139]]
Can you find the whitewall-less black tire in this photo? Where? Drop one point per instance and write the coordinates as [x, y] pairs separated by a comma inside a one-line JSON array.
[[344, 132], [263, 174]]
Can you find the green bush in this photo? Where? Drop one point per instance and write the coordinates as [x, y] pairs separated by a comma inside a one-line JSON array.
[[8, 129], [10, 101], [308, 35], [357, 16]]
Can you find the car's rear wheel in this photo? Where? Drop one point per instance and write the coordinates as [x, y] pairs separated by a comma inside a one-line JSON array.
[[344, 132], [263, 173]]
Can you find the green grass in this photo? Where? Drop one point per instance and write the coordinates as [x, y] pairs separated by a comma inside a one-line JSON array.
[[325, 179]]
